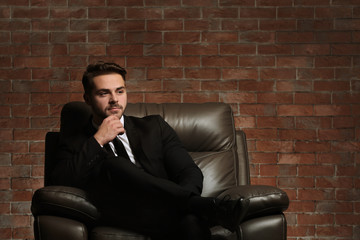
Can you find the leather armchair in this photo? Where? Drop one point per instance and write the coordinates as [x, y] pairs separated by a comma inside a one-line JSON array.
[[208, 133]]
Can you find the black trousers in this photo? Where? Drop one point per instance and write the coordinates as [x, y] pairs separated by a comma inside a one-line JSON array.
[[134, 200]]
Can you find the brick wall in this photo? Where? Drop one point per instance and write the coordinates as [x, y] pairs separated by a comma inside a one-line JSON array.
[[289, 68]]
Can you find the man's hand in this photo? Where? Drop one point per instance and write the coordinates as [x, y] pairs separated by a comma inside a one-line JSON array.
[[109, 129]]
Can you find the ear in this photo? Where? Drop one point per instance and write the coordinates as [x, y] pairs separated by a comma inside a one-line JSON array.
[[87, 99]]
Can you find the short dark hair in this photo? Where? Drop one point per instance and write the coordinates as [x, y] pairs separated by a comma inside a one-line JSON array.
[[97, 69]]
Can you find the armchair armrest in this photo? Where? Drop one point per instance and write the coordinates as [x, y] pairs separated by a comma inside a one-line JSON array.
[[68, 202], [264, 200]]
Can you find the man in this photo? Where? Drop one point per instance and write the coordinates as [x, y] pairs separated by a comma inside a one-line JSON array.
[[136, 169]]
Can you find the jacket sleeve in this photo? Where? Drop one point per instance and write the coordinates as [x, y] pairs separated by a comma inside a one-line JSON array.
[[180, 166], [79, 162]]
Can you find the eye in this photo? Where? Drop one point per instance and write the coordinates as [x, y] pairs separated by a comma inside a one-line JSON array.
[[101, 94]]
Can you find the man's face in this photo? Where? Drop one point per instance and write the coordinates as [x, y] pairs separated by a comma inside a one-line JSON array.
[[108, 97]]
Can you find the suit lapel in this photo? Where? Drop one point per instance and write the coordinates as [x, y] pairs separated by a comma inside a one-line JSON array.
[[136, 144]]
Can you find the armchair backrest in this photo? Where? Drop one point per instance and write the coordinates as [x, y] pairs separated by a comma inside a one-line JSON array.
[[206, 130]]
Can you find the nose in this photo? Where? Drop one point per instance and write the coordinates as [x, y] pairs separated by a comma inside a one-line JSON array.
[[113, 98]]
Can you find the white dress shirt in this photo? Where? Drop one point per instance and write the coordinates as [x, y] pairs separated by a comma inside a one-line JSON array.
[[125, 141]]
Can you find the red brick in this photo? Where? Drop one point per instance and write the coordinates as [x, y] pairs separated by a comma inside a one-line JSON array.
[[68, 61], [300, 206], [162, 50], [312, 98], [218, 85], [334, 182], [316, 194], [312, 146], [312, 49], [49, 25], [257, 37], [5, 111], [30, 13], [295, 37], [296, 158], [31, 62], [181, 86], [316, 170], [242, 97], [223, 61], [236, 49], [181, 37], [108, 37], [313, 122], [273, 98], [275, 122], [125, 3], [347, 98], [314, 74], [52, 98], [261, 133], [257, 110], [336, 134], [14, 171], [111, 13], [164, 25], [240, 25], [275, 50], [67, 13], [332, 110], [200, 97], [219, 37], [277, 170], [23, 232], [347, 194], [87, 49], [239, 74], [208, 49], [21, 195], [297, 13], [130, 25], [334, 231], [245, 122], [270, 181], [296, 61], [144, 86], [164, 2], [347, 24], [202, 25], [14, 122], [295, 231], [162, 97], [269, 158], [144, 13], [295, 110], [182, 61], [203, 73], [334, 158], [164, 73], [144, 61], [296, 182], [347, 219], [64, 37], [14, 220], [274, 146], [345, 122]]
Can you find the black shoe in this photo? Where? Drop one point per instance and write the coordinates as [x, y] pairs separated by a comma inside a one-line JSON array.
[[230, 213]]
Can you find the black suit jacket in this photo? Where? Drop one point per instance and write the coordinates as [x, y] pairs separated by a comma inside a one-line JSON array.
[[83, 163]]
